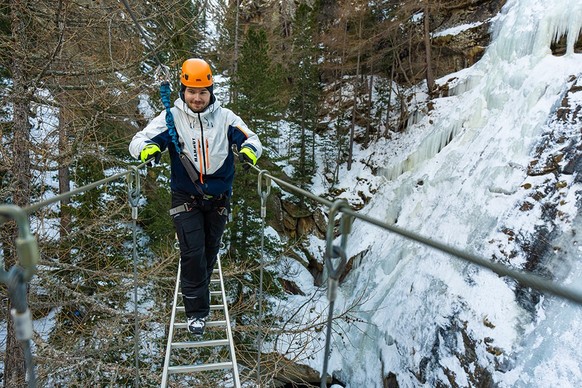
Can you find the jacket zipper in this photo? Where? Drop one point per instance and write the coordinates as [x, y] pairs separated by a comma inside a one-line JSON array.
[[204, 150], [200, 163]]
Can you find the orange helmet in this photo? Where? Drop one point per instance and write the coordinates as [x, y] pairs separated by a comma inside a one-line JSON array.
[[196, 73]]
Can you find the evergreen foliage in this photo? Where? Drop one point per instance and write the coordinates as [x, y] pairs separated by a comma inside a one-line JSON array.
[[305, 93], [258, 83], [226, 49], [88, 64], [176, 31], [5, 28]]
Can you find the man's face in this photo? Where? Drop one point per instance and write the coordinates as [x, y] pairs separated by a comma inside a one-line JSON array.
[[197, 99]]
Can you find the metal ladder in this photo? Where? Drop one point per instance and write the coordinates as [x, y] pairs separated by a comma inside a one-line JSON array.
[[185, 353]]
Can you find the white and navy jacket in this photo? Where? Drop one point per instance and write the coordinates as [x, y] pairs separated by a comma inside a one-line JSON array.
[[206, 139]]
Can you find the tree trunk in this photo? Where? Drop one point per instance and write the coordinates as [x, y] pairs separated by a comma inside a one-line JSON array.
[[233, 91], [303, 143], [370, 89], [389, 103], [64, 176], [428, 51], [355, 103], [14, 367]]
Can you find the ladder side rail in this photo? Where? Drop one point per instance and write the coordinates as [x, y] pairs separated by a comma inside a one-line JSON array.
[[171, 331], [228, 329]]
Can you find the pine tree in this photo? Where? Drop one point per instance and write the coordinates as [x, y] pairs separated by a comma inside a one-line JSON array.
[[305, 91], [258, 82]]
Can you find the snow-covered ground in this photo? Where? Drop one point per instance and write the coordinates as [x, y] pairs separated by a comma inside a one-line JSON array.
[[427, 317]]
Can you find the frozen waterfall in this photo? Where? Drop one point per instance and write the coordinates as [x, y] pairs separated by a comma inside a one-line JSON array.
[[431, 319]]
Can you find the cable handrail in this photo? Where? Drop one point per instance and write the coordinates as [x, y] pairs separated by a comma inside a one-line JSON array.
[[28, 255], [30, 209], [525, 278], [336, 207], [335, 251]]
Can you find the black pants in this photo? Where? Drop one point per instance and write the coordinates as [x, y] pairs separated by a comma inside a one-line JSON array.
[[199, 232]]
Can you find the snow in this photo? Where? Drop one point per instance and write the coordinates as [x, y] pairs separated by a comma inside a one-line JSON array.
[[457, 175], [410, 307], [457, 29]]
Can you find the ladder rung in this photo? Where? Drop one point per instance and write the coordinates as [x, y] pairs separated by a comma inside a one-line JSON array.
[[184, 325], [219, 340], [199, 344], [212, 293], [213, 307], [198, 368]]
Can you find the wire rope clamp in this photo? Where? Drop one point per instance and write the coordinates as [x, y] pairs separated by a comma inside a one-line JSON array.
[[28, 254], [22, 324]]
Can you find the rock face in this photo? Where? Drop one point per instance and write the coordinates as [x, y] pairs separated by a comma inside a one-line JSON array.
[[460, 32], [469, 26]]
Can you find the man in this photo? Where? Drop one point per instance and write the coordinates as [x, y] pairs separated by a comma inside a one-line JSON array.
[[202, 172]]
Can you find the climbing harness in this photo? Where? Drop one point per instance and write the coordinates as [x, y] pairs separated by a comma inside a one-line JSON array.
[[201, 201]]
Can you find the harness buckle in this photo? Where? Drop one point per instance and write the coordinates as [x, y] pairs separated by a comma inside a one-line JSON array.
[[185, 207]]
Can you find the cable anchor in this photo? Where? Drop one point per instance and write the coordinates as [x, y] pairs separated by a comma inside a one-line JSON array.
[[263, 194], [133, 190], [334, 251]]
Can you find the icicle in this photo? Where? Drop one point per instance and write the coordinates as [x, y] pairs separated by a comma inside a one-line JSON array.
[[429, 147], [521, 38]]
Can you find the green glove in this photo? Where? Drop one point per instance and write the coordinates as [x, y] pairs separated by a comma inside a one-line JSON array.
[[247, 157], [151, 151]]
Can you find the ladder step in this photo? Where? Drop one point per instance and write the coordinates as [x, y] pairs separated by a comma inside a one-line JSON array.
[[199, 344], [213, 307], [212, 293], [190, 353], [198, 368], [184, 325]]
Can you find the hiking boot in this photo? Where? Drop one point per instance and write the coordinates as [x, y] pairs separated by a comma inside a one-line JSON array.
[[196, 325]]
